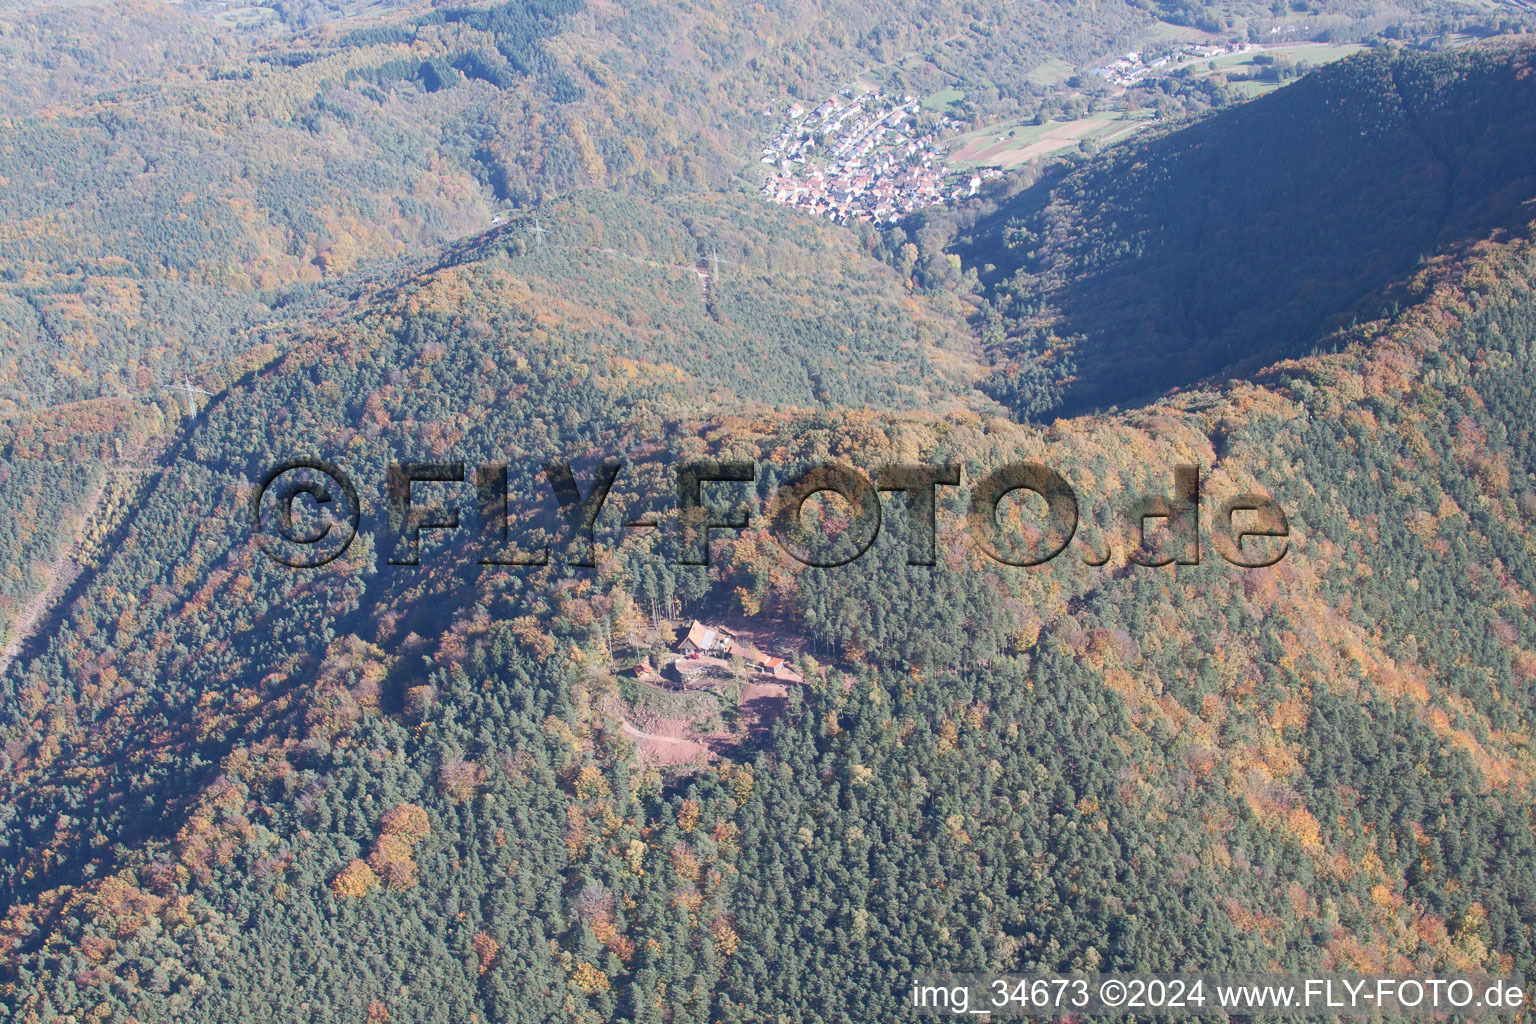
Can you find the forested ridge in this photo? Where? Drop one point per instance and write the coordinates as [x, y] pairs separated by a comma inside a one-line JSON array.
[[367, 783], [371, 792], [1223, 246]]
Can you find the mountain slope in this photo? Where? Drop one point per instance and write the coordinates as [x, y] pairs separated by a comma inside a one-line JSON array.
[[237, 790], [191, 185], [1220, 247]]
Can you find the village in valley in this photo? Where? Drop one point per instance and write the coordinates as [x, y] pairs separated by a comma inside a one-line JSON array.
[[862, 157], [877, 157]]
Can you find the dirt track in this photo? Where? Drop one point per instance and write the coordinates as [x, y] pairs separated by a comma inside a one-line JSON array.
[[663, 749]]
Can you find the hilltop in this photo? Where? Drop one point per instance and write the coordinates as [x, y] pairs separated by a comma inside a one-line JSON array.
[[382, 792], [213, 760]]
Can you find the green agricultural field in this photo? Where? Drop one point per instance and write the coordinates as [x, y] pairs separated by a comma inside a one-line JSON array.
[[1167, 32], [943, 99], [1252, 89], [1011, 144], [1312, 53], [1244, 64], [1051, 72]]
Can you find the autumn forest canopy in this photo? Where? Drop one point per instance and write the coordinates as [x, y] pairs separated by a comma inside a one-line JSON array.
[[533, 234]]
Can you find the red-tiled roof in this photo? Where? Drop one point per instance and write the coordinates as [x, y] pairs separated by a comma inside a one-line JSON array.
[[699, 635]]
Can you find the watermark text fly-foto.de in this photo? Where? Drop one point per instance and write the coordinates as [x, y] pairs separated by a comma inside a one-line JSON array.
[[306, 513], [1270, 995]]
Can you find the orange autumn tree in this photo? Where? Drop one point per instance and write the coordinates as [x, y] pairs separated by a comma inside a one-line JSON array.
[[409, 822], [486, 950], [688, 815], [392, 861], [355, 881]]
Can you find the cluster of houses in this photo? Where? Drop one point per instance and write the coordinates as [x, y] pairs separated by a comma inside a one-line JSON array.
[[860, 156], [706, 655], [1130, 68]]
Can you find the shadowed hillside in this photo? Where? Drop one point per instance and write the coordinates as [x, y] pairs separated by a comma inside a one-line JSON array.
[[1224, 245]]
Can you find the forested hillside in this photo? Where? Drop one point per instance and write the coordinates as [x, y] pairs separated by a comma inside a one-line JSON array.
[[170, 181], [371, 791], [176, 193], [382, 790], [1218, 248], [181, 190], [62, 475]]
